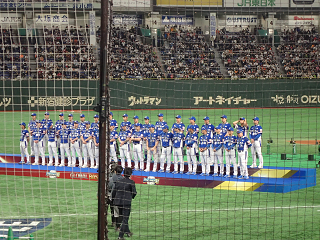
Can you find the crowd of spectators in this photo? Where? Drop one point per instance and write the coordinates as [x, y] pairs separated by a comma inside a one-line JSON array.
[[130, 58], [244, 57], [300, 53], [13, 56], [186, 54], [65, 54]]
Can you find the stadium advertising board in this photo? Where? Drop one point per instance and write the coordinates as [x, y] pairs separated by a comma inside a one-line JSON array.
[[190, 3], [213, 24], [243, 20], [51, 18], [177, 20], [47, 5], [305, 3], [303, 20], [126, 19], [256, 3], [9, 18], [132, 3]]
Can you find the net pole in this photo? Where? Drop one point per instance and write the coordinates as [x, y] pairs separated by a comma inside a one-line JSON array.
[[104, 123]]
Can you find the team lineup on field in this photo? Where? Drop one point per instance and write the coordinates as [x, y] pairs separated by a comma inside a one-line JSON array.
[[139, 142]]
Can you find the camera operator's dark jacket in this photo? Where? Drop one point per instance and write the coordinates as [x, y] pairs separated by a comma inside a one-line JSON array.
[[123, 192]]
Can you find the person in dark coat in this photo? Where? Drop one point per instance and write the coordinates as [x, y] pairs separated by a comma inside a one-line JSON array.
[[123, 192]]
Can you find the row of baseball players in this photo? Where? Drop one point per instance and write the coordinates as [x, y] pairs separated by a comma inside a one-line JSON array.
[[160, 143], [66, 137]]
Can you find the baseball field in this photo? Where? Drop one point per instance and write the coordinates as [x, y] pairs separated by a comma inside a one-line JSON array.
[[165, 212]]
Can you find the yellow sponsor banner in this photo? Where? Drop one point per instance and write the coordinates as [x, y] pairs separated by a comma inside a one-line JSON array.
[[238, 186], [191, 3]]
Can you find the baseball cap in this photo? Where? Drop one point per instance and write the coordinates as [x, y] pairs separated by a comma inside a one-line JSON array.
[[192, 118], [151, 126], [46, 113], [203, 128], [87, 122], [125, 115], [218, 127], [96, 116], [242, 118], [111, 113], [224, 116], [82, 115], [206, 118], [76, 122], [70, 115], [33, 114], [146, 117], [112, 124], [191, 127], [61, 114], [239, 131], [135, 117], [165, 127], [160, 115], [230, 129], [23, 124], [178, 116], [255, 119], [137, 125]]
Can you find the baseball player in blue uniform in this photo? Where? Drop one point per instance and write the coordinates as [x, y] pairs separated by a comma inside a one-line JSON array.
[[192, 148], [96, 147], [145, 129], [158, 129], [126, 122], [113, 121], [166, 153], [204, 146], [86, 138], [179, 124], [38, 134], [243, 144], [52, 145], [70, 122], [193, 124], [208, 126], [24, 139], [152, 143], [124, 138], [230, 142], [256, 140], [224, 125], [243, 126], [31, 126], [113, 143], [177, 142], [64, 143], [136, 139], [75, 135], [82, 123], [58, 127], [95, 124], [217, 143], [45, 124]]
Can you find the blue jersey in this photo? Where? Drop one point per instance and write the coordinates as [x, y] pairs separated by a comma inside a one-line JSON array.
[[137, 135], [128, 124], [191, 138], [75, 133], [256, 132], [145, 129], [95, 126], [177, 140], [217, 141], [32, 125], [115, 123], [196, 128], [24, 135], [96, 136], [70, 124], [123, 135], [166, 139], [45, 122], [38, 133], [87, 133], [229, 142], [51, 132], [152, 138], [181, 126], [224, 128], [134, 128], [210, 129], [58, 124], [205, 141], [113, 135], [82, 125], [64, 135], [243, 144], [158, 127], [242, 129]]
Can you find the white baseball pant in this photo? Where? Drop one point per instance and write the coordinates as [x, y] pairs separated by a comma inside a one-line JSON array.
[[231, 159], [218, 159], [256, 148], [205, 161], [75, 149], [38, 149], [113, 153], [192, 159], [32, 145], [24, 151], [178, 156], [137, 156], [87, 150], [52, 150], [64, 147], [166, 155], [151, 154], [243, 160], [125, 154], [96, 155], [144, 149], [45, 142]]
